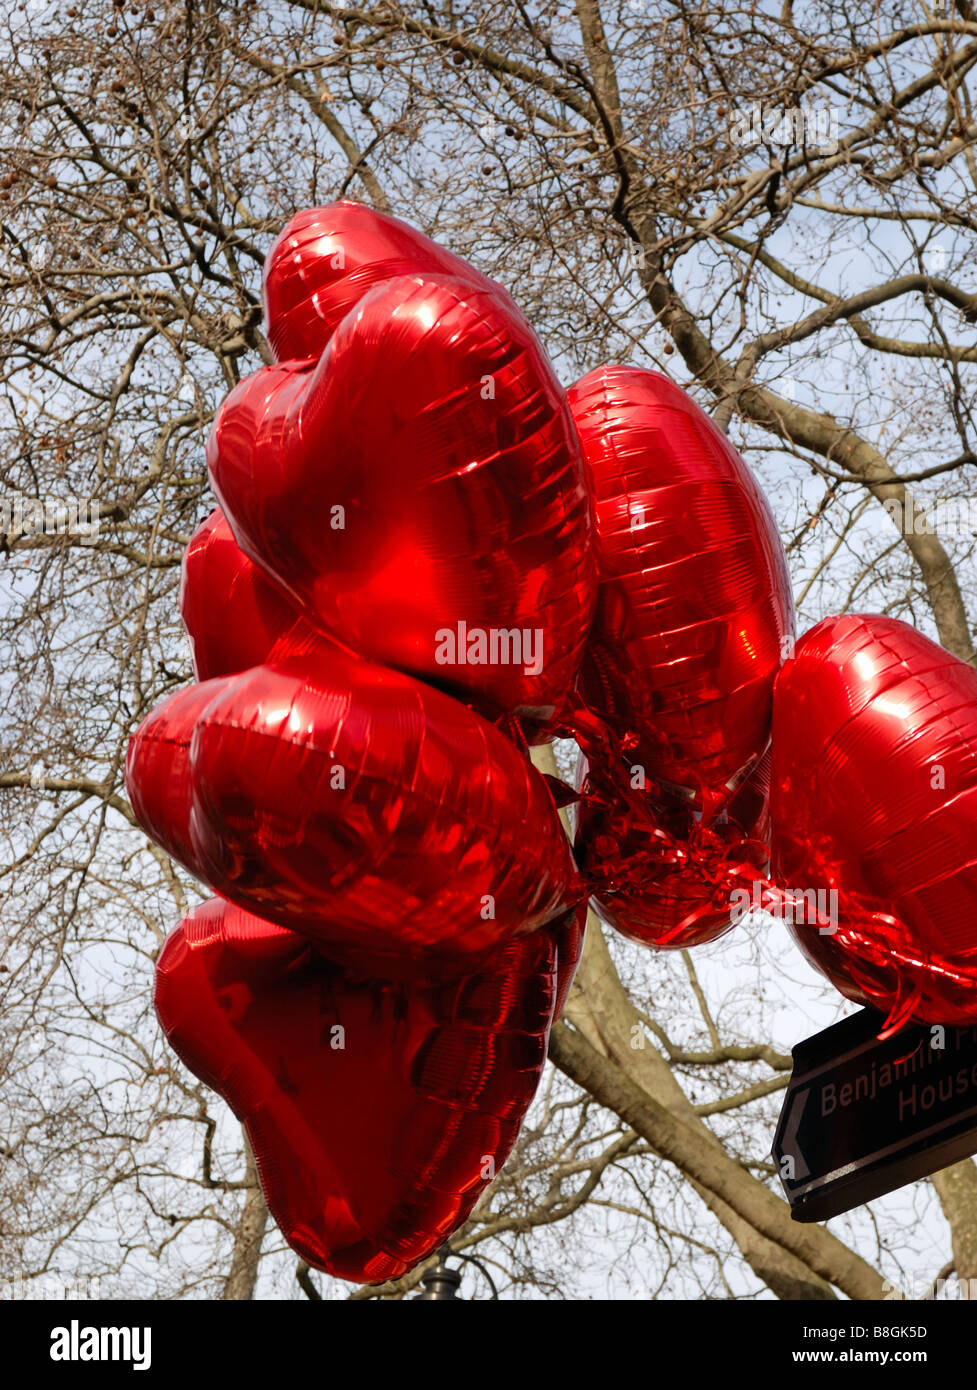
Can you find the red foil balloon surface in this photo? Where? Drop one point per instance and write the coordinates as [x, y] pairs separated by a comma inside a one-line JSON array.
[[377, 1112], [328, 258], [419, 490], [349, 801], [874, 798], [234, 615], [158, 771], [695, 599], [663, 878]]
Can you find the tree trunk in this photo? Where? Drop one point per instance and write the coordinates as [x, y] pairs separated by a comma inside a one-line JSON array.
[[957, 1191], [598, 998], [794, 1261], [248, 1237]]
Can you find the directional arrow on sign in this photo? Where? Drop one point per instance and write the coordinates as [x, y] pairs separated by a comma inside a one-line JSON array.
[[862, 1117]]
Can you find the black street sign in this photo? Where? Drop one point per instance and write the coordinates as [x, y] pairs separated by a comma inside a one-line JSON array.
[[862, 1117]]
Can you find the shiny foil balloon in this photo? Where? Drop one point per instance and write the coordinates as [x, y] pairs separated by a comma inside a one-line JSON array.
[[695, 601], [662, 877], [419, 490], [340, 798], [158, 771], [234, 615], [377, 1112], [328, 258], [874, 800], [348, 795]]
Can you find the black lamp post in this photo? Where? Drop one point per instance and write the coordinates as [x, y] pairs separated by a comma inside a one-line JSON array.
[[441, 1284]]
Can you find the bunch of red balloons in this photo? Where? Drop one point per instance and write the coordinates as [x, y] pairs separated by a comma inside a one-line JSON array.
[[427, 558]]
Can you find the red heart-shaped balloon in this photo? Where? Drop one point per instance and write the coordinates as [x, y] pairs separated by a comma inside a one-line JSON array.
[[419, 491], [694, 609], [343, 793], [675, 893], [377, 1112], [234, 615], [344, 799], [874, 800], [328, 258]]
